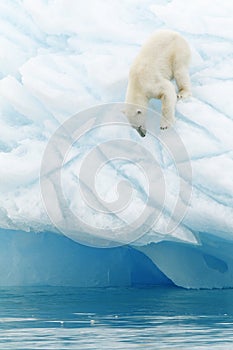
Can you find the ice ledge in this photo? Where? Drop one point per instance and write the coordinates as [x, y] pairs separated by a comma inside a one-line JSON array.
[[32, 259], [29, 258], [208, 265]]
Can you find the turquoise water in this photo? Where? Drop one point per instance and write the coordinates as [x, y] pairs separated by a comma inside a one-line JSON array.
[[115, 318]]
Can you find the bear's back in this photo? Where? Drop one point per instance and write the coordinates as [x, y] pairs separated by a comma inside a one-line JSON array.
[[164, 50]]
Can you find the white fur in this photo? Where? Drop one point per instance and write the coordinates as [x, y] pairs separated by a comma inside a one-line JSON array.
[[164, 56]]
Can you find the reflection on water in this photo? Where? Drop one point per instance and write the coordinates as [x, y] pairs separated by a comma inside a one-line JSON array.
[[145, 318]]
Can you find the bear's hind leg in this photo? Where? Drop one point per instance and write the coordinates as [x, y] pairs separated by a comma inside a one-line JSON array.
[[168, 98], [181, 76]]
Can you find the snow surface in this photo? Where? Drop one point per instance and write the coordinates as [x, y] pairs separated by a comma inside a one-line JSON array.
[[63, 56]]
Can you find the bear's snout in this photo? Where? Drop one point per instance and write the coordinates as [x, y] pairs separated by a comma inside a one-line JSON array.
[[141, 131]]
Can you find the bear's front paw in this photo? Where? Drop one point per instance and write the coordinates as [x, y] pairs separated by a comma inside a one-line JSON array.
[[166, 123], [184, 94]]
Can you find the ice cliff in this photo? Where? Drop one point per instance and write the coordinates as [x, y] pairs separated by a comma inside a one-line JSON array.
[[61, 57]]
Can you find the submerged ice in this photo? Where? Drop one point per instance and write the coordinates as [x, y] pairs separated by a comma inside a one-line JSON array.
[[59, 58]]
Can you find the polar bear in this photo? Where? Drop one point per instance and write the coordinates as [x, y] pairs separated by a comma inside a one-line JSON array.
[[164, 56]]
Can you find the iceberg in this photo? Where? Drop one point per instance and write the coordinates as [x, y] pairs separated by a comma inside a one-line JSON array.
[[121, 210]]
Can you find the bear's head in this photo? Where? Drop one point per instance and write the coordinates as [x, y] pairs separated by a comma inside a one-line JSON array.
[[137, 118]]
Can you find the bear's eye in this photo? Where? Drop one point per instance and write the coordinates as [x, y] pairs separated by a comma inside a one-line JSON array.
[[139, 111]]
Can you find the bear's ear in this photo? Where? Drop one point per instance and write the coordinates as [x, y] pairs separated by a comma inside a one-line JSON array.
[[139, 111]]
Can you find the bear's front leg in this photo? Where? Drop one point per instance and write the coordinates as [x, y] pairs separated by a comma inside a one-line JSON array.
[[168, 98], [181, 75]]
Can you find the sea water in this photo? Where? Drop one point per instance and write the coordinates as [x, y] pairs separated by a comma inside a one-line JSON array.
[[115, 318]]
